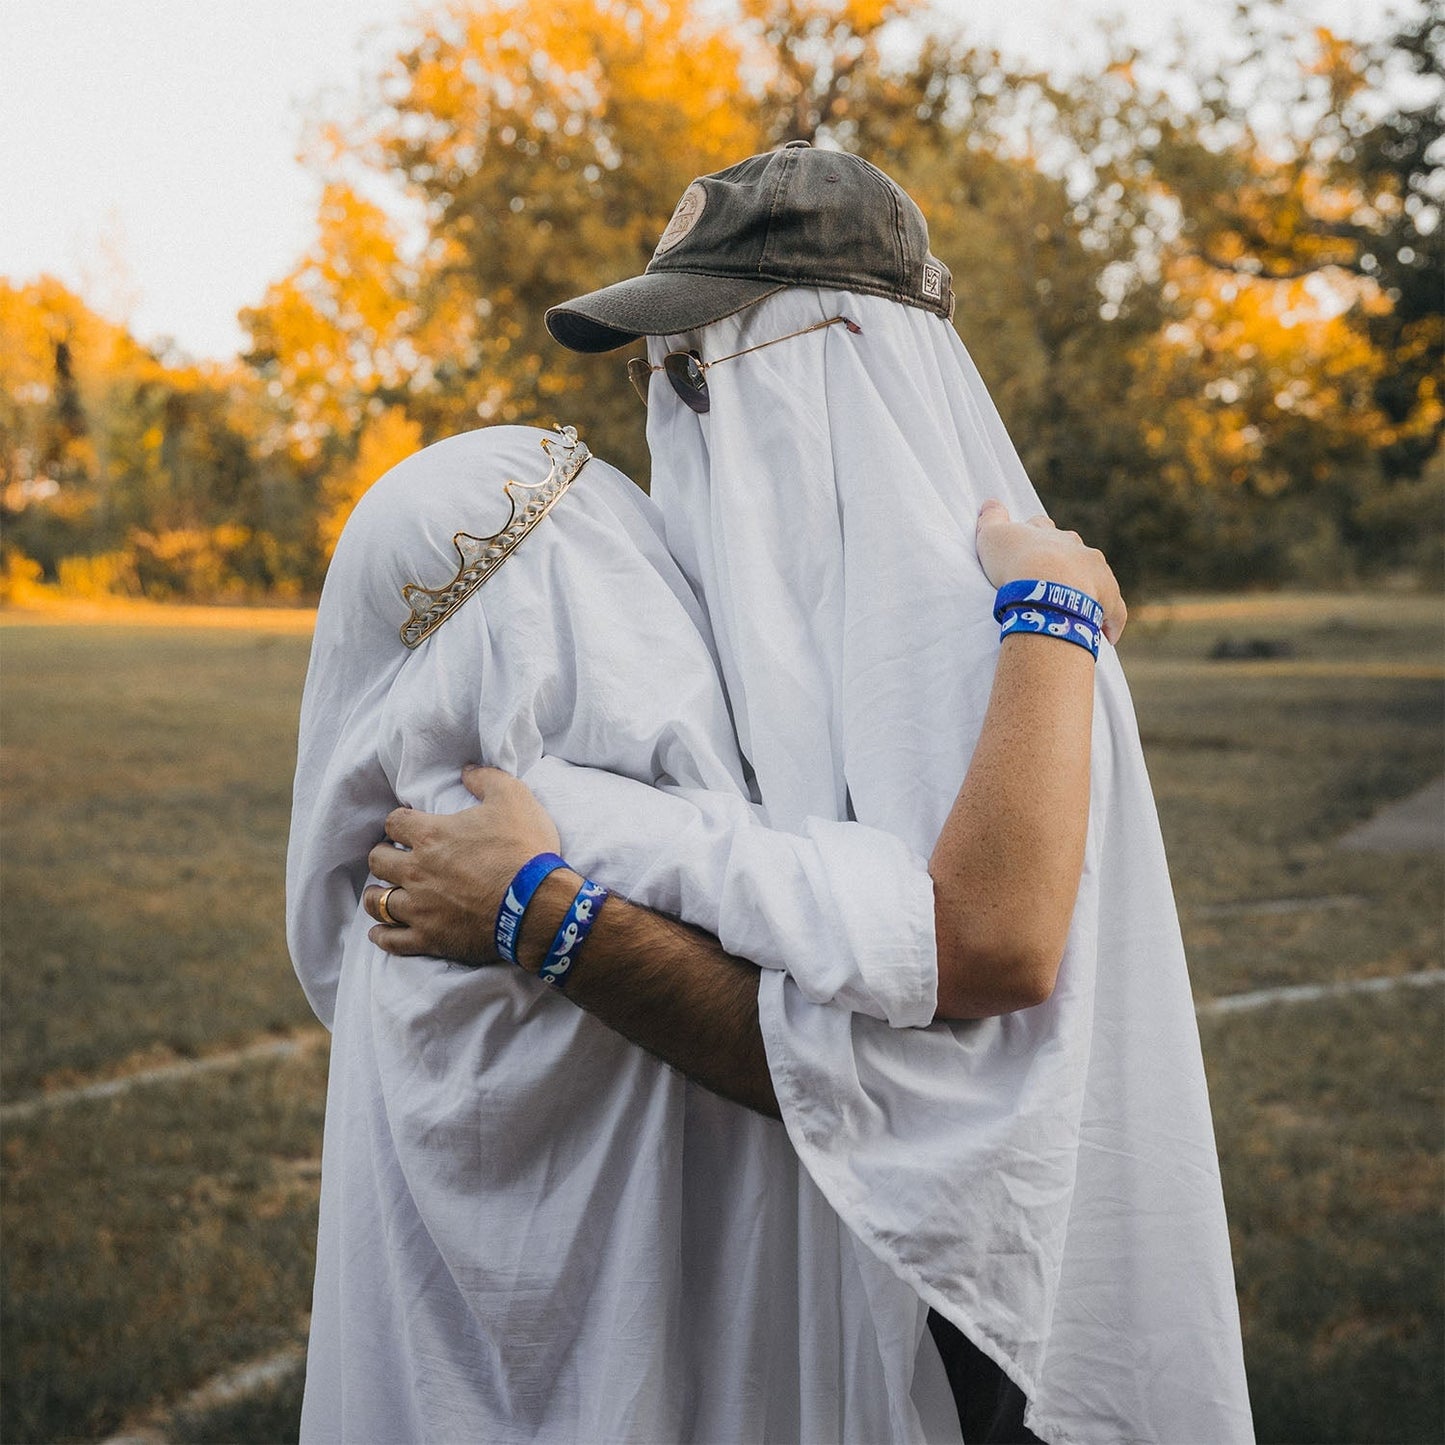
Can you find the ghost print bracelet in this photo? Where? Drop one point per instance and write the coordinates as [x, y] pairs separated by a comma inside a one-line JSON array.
[[573, 933], [1058, 596], [1051, 622], [519, 894]]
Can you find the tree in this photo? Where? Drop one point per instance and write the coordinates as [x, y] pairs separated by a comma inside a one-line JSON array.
[[548, 144], [386, 439], [1204, 291], [1293, 218], [155, 472], [333, 335]]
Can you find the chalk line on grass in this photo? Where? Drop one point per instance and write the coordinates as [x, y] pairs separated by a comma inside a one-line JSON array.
[[184, 1069], [1310, 992], [228, 1388], [1277, 907], [304, 1043], [242, 1381]]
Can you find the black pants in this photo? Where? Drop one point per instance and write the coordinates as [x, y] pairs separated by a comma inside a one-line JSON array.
[[990, 1405]]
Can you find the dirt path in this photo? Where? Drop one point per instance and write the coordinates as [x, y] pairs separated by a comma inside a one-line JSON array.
[[1413, 825]]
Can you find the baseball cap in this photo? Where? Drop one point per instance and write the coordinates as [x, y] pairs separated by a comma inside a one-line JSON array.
[[790, 217]]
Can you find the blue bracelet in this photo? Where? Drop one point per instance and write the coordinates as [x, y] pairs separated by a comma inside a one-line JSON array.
[[1057, 595], [1051, 622], [573, 933], [518, 895]]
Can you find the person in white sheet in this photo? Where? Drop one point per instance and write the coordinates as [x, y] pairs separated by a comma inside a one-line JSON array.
[[1045, 1179], [531, 1229]]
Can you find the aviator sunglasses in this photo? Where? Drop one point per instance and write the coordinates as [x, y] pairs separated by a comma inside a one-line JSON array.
[[686, 369]]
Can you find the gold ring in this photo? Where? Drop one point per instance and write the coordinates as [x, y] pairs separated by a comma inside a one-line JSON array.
[[383, 912]]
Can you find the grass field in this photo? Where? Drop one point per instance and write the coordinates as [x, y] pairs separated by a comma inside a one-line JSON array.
[[158, 1237]]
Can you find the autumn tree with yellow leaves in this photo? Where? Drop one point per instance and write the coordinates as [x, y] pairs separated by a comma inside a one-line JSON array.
[[121, 472], [1205, 295]]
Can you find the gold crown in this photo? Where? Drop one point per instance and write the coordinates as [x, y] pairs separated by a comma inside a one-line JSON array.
[[481, 556]]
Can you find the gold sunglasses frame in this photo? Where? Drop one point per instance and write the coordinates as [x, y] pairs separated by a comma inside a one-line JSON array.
[[639, 369]]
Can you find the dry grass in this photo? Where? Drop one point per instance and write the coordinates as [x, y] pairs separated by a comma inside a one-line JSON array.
[[1259, 768], [43, 608], [1328, 1120], [146, 786], [153, 1240]]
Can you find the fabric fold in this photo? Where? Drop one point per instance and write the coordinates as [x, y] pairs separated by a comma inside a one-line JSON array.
[[1046, 1180], [530, 1230]]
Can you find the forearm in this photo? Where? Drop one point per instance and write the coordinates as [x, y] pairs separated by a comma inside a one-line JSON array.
[[670, 989], [1007, 866], [845, 909]]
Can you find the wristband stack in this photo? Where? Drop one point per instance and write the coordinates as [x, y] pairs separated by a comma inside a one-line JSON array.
[[567, 944], [1052, 609]]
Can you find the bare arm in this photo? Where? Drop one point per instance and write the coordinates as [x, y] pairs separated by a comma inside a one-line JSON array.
[[1022, 811], [1007, 864], [671, 989]]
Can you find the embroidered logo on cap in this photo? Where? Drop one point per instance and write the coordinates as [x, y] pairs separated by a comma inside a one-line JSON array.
[[933, 280], [684, 218]]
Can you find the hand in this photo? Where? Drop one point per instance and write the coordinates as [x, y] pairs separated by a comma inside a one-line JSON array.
[[452, 869], [1012, 550]]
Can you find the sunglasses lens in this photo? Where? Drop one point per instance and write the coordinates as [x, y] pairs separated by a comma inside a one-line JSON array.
[[688, 379], [639, 373]]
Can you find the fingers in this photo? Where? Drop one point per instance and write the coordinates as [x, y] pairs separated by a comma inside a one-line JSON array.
[[993, 513], [406, 826], [476, 777], [394, 937], [1116, 613], [1108, 596], [1120, 624], [410, 826], [400, 942], [389, 863], [1036, 548], [371, 901], [480, 780]]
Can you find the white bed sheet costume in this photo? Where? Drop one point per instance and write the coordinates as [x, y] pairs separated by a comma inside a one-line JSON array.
[[1047, 1180], [531, 1230]]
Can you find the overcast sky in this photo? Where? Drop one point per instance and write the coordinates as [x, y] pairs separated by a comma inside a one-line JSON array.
[[149, 148]]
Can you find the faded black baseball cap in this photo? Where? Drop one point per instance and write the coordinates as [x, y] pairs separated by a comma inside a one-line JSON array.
[[790, 217]]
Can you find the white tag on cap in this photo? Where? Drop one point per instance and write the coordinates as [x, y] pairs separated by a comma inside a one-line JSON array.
[[684, 218], [933, 280]]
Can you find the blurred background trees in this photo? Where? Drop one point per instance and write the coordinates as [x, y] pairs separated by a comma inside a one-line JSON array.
[[1204, 290]]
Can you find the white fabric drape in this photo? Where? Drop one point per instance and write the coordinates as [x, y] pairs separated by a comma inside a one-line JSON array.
[[1047, 1180], [530, 1230]]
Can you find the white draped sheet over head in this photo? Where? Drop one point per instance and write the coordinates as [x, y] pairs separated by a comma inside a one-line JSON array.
[[1046, 1180], [530, 1230]]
